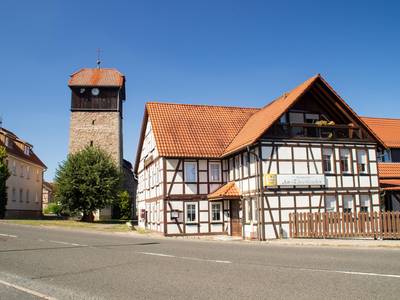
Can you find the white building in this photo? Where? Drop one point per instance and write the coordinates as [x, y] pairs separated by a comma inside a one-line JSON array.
[[240, 171], [24, 186]]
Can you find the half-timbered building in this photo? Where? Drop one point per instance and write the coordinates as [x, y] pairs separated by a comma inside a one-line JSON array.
[[240, 171], [388, 160]]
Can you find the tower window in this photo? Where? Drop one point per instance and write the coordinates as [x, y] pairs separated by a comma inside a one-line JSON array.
[[91, 143]]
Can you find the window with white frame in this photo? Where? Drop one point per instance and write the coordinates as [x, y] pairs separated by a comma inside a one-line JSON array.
[[252, 165], [22, 171], [248, 209], [190, 171], [385, 156], [330, 203], [215, 172], [254, 209], [27, 150], [238, 166], [27, 196], [362, 161], [245, 164], [158, 212], [231, 169], [345, 161], [191, 212], [364, 203], [348, 203], [327, 160], [216, 212], [28, 172]]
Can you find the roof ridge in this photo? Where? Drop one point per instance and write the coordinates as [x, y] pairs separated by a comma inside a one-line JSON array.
[[201, 105]]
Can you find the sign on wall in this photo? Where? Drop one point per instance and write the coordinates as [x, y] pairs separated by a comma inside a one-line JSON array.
[[271, 180]]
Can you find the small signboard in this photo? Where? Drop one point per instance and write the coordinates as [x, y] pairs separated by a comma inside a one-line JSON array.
[[271, 180]]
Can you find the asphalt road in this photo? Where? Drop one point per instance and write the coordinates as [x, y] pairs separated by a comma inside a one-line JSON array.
[[40, 263]]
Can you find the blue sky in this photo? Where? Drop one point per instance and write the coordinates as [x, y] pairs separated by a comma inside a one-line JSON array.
[[211, 52]]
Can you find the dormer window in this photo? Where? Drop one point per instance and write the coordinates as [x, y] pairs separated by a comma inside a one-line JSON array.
[[27, 150], [7, 142]]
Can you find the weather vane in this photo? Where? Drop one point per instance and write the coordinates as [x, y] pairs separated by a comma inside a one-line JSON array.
[[98, 62]]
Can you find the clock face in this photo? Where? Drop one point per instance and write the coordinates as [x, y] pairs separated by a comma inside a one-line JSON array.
[[95, 91]]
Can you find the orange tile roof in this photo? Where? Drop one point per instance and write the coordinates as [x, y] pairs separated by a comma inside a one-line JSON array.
[[227, 191], [16, 151], [97, 77], [195, 130], [183, 130], [387, 129], [264, 118], [390, 181], [389, 170]]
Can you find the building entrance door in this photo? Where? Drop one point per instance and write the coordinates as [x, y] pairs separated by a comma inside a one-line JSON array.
[[236, 224]]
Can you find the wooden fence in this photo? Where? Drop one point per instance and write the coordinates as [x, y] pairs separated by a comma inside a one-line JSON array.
[[384, 225]]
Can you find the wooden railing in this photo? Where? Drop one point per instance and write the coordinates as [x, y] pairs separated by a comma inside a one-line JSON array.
[[384, 225], [306, 130]]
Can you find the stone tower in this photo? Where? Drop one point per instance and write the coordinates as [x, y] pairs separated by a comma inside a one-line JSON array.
[[96, 111], [97, 97]]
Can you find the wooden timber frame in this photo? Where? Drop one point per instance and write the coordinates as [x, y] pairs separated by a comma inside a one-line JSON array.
[[274, 203], [198, 198], [313, 166]]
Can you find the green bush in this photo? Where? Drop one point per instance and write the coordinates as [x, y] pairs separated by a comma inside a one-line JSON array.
[[53, 208]]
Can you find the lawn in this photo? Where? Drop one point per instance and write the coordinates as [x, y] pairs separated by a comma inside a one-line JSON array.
[[107, 226]]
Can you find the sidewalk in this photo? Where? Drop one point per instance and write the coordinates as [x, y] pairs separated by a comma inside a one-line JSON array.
[[343, 243]]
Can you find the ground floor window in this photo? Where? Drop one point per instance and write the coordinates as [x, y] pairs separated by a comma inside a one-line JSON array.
[[248, 210], [216, 212], [254, 209], [347, 203], [330, 203], [364, 203], [191, 212], [251, 209]]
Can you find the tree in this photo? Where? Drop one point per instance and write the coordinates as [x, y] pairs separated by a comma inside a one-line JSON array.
[[4, 174], [87, 181], [125, 205]]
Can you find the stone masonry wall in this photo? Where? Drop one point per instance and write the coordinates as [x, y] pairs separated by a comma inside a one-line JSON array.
[[103, 128]]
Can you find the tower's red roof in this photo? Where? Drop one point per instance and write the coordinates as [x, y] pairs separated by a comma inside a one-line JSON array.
[[97, 77]]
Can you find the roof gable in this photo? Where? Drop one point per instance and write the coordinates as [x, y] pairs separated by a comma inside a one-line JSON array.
[[261, 121]]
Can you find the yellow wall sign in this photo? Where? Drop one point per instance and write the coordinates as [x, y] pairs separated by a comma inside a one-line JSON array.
[[269, 179]]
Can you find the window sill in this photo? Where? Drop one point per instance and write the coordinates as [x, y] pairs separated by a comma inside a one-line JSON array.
[[191, 223]]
